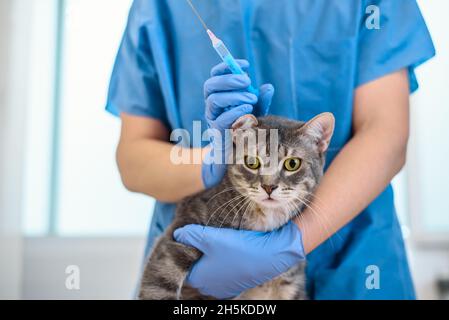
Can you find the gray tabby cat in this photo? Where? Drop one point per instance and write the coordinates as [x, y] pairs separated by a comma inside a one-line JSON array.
[[274, 198]]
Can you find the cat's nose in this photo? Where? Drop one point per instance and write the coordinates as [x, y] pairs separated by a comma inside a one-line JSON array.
[[269, 188]]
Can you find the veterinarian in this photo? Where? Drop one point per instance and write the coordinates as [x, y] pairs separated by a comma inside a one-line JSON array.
[[318, 56]]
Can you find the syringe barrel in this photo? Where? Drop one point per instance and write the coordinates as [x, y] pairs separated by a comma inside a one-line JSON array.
[[233, 65]]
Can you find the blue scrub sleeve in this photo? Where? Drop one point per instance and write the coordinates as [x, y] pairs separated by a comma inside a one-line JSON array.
[[403, 41], [134, 87]]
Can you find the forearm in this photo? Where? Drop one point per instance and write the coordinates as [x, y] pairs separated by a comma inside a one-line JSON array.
[[146, 167], [356, 177]]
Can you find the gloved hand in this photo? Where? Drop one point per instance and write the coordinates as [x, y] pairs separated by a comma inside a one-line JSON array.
[[227, 100], [236, 260]]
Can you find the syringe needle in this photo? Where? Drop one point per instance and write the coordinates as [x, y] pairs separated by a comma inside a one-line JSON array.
[[197, 14], [222, 51]]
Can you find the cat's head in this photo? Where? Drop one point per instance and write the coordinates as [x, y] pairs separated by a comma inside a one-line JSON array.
[[279, 175]]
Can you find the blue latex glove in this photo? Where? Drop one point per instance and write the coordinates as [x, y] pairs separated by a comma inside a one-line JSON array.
[[227, 99], [236, 260]]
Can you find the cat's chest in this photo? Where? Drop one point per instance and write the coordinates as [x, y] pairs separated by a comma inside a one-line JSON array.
[[265, 219]]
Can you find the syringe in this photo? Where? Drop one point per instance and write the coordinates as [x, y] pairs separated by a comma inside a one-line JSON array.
[[222, 51], [227, 58]]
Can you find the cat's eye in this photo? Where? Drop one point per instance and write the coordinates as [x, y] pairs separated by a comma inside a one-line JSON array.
[[292, 164], [252, 162]]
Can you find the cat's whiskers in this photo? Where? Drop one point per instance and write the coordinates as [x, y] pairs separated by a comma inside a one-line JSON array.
[[314, 196], [301, 218], [232, 209], [323, 224], [291, 206], [311, 202], [225, 205], [224, 210], [223, 191], [323, 216], [228, 203], [312, 210], [252, 204], [241, 205], [317, 202], [248, 204]]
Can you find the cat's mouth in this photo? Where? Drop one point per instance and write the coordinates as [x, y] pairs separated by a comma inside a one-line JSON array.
[[270, 201]]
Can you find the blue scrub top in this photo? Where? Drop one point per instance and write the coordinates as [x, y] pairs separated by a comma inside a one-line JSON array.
[[315, 53]]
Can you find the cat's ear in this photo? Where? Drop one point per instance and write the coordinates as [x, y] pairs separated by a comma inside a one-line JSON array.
[[321, 129], [248, 121], [243, 126]]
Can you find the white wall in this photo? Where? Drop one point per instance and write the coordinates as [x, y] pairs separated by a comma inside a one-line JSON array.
[[429, 264], [428, 172], [427, 169], [14, 17]]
